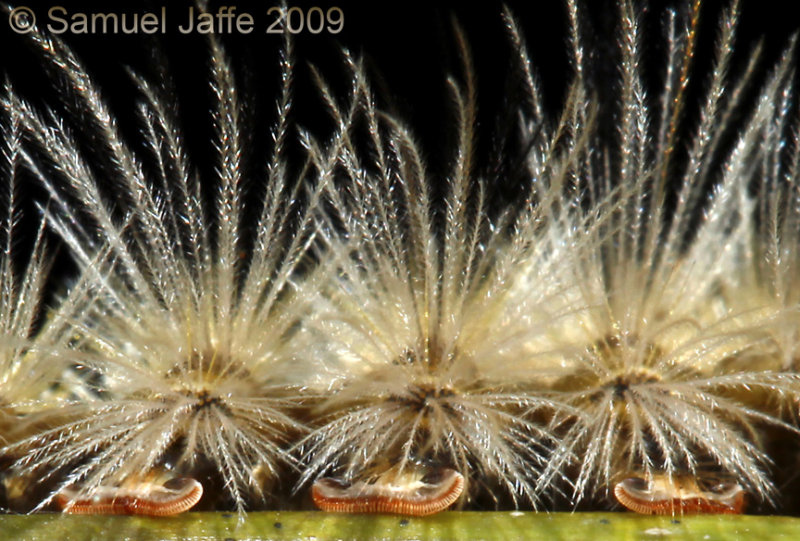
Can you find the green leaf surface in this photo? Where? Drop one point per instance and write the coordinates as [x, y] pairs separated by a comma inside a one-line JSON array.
[[449, 525]]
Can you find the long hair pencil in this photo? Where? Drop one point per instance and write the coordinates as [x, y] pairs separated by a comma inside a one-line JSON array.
[[426, 319], [190, 323], [676, 382]]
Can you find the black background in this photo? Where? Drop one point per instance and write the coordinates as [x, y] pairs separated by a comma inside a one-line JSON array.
[[409, 47]]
